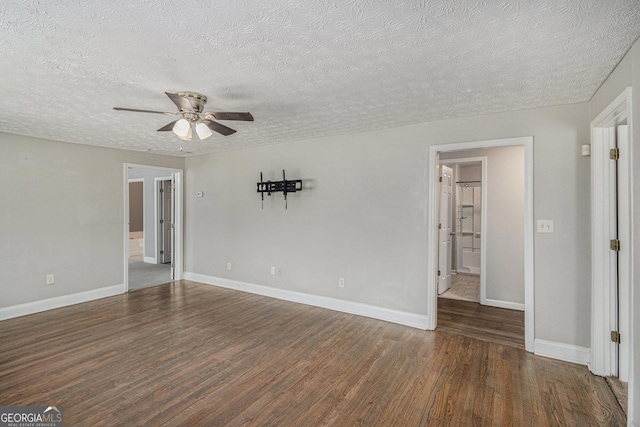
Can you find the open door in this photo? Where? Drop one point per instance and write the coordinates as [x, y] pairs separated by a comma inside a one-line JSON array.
[[165, 221], [444, 230]]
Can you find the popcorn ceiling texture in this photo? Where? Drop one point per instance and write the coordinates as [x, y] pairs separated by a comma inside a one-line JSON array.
[[303, 68]]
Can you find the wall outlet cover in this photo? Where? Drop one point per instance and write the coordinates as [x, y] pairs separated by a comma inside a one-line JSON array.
[[544, 226]]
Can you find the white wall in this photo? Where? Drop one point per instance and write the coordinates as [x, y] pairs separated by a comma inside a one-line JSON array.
[[149, 176], [62, 212], [364, 216], [505, 226], [626, 74]]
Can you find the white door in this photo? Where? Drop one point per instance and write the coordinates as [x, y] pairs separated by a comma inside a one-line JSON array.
[[444, 230], [621, 286], [166, 222]]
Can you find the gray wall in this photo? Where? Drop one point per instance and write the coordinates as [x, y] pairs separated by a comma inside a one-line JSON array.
[[364, 214], [136, 206], [149, 176], [62, 212], [505, 225]]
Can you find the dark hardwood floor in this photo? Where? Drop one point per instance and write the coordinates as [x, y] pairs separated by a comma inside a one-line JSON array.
[[481, 322], [191, 354]]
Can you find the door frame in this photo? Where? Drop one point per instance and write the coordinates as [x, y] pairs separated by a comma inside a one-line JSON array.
[[432, 227], [178, 183], [603, 361], [483, 217]]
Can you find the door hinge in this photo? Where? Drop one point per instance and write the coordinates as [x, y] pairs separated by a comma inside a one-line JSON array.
[[614, 245], [438, 273], [173, 226], [162, 221], [439, 226], [161, 190], [439, 179], [615, 336], [161, 252], [173, 265], [614, 154]]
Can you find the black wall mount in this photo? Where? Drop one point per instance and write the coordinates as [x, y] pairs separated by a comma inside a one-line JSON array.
[[285, 186]]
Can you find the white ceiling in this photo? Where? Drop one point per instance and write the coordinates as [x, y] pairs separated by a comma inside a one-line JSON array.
[[302, 68]]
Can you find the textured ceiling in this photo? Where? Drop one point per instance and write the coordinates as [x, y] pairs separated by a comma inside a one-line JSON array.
[[302, 68]]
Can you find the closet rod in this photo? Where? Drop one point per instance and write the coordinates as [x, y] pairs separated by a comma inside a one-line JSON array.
[[465, 182]]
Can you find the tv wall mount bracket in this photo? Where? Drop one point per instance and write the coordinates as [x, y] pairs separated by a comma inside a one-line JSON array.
[[285, 186]]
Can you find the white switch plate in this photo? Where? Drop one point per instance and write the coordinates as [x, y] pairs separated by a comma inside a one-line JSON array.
[[545, 226], [229, 266], [199, 194], [273, 271], [51, 279]]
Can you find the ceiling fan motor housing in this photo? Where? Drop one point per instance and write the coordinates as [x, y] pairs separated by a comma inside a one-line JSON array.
[[197, 101]]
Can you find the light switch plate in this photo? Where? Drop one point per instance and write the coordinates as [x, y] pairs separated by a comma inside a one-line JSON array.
[[545, 226]]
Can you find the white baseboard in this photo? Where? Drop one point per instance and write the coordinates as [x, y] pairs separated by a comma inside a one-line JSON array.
[[503, 304], [57, 302], [560, 351], [150, 260], [414, 320]]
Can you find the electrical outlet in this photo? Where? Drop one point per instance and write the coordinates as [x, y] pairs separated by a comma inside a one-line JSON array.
[[229, 266], [51, 279], [545, 226], [341, 282]]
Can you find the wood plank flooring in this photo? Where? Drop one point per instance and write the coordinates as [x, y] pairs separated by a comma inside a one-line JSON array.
[[481, 322], [191, 354]]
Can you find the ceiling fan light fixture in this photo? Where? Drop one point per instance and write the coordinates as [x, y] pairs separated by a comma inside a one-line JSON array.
[[182, 129], [203, 130]]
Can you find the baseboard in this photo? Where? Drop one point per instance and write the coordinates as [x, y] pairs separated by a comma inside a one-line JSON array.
[[150, 260], [503, 304], [566, 352], [57, 302], [395, 316]]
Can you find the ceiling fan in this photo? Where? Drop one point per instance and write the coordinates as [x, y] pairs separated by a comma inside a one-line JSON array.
[[193, 118]]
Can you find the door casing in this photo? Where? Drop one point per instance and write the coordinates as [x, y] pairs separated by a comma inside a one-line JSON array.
[[483, 218], [178, 184], [603, 360], [432, 227]]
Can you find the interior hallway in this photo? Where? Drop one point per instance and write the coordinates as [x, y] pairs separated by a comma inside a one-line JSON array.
[[460, 312]]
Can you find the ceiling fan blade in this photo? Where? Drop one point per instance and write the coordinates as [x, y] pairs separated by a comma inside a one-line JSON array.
[[217, 127], [222, 115], [144, 111], [181, 102], [168, 127]]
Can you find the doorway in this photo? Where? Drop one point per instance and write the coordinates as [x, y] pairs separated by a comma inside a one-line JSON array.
[[526, 219], [467, 219], [161, 236]]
